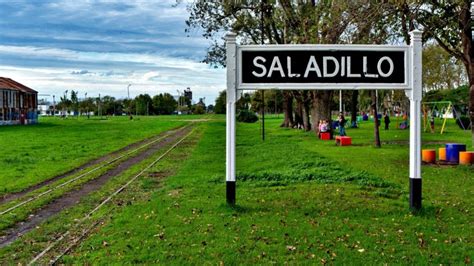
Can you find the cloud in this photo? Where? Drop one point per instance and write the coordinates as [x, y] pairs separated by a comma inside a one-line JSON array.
[[102, 46], [80, 72], [152, 75]]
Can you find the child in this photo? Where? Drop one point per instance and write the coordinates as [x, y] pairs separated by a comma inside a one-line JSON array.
[[324, 126], [320, 124], [432, 122]]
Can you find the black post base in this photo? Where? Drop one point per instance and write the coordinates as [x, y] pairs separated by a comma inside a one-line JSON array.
[[415, 194], [230, 192]]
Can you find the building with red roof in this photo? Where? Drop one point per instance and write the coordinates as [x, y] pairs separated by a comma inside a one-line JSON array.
[[18, 103]]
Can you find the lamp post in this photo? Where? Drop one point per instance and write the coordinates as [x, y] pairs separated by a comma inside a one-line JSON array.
[[87, 105], [64, 104], [54, 105], [340, 101]]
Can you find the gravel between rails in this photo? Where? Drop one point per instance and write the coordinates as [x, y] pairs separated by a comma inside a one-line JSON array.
[[71, 198]]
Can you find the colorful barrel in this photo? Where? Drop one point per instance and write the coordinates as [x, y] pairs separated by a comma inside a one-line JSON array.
[[442, 154], [452, 151], [466, 157], [428, 156]]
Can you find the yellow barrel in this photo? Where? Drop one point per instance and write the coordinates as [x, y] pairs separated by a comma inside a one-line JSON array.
[[442, 154], [466, 157], [428, 156]]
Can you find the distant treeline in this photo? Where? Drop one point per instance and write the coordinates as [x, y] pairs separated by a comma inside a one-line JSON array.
[[143, 104]]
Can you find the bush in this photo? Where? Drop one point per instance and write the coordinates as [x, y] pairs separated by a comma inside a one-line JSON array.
[[465, 122], [247, 116]]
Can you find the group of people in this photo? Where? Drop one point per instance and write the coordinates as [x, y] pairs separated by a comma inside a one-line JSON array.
[[325, 127]]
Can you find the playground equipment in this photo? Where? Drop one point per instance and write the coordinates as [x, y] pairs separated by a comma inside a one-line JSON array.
[[466, 157], [343, 140], [428, 156], [325, 136], [442, 154], [433, 109], [452, 154]]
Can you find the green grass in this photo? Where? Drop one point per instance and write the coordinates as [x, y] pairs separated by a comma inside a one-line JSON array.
[[34, 153], [32, 243], [299, 200]]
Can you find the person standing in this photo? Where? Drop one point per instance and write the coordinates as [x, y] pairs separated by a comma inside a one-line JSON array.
[[342, 122], [386, 120], [432, 121]]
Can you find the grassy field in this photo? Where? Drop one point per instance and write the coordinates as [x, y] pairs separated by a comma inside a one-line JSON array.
[[299, 200], [34, 153]]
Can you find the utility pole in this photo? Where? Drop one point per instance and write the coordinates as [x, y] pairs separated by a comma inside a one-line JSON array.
[[54, 105], [87, 105], [179, 102], [99, 109], [64, 108], [340, 101]]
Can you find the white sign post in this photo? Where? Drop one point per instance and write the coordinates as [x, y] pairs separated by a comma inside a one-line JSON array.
[[326, 67]]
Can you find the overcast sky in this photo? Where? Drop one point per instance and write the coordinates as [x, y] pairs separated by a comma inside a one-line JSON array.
[[102, 46]]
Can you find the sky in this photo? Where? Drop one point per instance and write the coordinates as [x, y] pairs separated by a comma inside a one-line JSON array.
[[100, 47]]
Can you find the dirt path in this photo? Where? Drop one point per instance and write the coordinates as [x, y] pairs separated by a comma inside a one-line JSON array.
[[73, 197], [12, 196]]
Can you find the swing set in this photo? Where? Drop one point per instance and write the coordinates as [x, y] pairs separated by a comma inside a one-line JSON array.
[[434, 109]]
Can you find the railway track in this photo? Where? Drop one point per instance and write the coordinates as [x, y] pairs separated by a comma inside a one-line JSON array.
[[96, 168], [69, 245], [70, 197]]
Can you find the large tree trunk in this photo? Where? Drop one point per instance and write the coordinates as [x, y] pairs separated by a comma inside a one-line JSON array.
[[321, 108], [298, 112], [354, 103], [468, 51], [376, 120], [287, 109], [302, 109]]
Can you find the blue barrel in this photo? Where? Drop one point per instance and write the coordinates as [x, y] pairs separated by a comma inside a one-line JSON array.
[[452, 151]]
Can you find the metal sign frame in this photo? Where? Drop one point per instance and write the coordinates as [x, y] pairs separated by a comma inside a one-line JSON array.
[[412, 87]]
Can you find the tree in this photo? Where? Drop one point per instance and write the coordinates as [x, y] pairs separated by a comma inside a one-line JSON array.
[[220, 106], [245, 101], [199, 109], [64, 103], [376, 119], [286, 22], [74, 102], [450, 24], [143, 104], [184, 102], [164, 104], [129, 106], [440, 69], [87, 105], [274, 101], [210, 108]]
